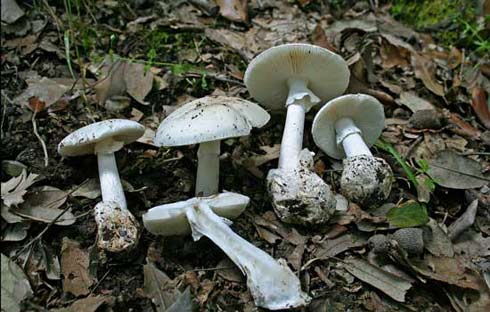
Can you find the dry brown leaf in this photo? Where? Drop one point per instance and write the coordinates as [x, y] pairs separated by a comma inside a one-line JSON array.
[[480, 106], [395, 52], [425, 70], [45, 90], [75, 263], [461, 127], [14, 189], [159, 287], [320, 39], [452, 271], [88, 304], [139, 81], [332, 247], [233, 10], [390, 284]]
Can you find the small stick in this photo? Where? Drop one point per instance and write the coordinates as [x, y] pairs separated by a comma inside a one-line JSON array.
[[45, 150]]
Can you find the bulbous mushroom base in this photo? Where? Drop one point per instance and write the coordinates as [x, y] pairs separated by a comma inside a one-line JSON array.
[[300, 196], [366, 180], [117, 229]]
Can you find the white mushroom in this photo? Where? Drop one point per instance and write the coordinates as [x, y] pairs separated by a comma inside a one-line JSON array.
[[345, 128], [207, 121], [298, 76], [272, 284], [117, 229]]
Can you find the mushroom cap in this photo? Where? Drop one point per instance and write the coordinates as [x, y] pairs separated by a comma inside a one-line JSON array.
[[267, 75], [171, 219], [366, 112], [83, 140], [208, 119]]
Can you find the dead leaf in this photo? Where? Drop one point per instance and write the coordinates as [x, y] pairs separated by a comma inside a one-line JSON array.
[[112, 81], [395, 52], [159, 287], [89, 189], [472, 245], [15, 232], [461, 127], [390, 284], [466, 220], [207, 287], [333, 247], [229, 271], [413, 102], [11, 11], [425, 70], [436, 240], [319, 38], [15, 286], [480, 106], [233, 10], [451, 170], [183, 303], [75, 264], [14, 189], [88, 304], [452, 271], [42, 205], [44, 90], [139, 81]]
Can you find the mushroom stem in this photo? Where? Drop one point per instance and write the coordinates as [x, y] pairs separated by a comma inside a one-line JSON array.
[[207, 179], [350, 137], [273, 286], [292, 137], [110, 183]]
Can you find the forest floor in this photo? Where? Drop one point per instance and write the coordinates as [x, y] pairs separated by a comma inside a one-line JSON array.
[[431, 73]]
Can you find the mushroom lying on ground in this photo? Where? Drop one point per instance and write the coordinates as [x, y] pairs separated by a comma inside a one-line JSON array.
[[298, 76], [272, 284], [117, 229], [207, 121], [345, 128]]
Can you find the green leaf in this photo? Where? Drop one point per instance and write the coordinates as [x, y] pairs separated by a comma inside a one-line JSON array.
[[409, 214]]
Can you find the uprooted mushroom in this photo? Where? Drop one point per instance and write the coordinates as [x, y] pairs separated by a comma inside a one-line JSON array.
[[207, 121], [117, 228], [345, 128], [298, 76], [272, 284]]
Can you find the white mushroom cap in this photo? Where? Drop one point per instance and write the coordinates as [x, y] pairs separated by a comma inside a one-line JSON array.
[[366, 112], [83, 140], [170, 219], [208, 119], [266, 78]]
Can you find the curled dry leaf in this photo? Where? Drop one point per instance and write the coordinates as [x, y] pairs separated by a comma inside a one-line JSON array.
[[466, 220], [13, 190], [425, 70], [480, 106], [436, 241]]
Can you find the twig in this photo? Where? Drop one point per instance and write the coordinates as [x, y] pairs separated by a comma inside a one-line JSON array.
[[412, 147], [45, 150]]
